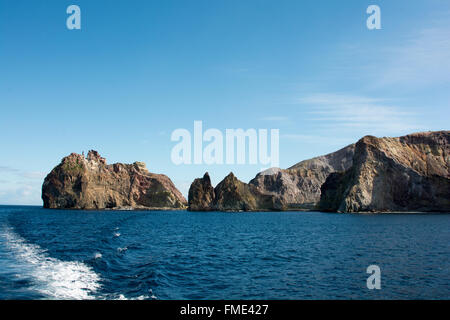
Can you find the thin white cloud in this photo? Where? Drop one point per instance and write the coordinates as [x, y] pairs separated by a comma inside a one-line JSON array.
[[20, 187], [317, 139], [421, 60], [21, 193], [368, 113], [24, 174], [336, 99], [274, 118], [8, 169], [34, 175]]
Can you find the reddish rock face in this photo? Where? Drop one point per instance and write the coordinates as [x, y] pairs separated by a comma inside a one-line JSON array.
[[89, 183], [409, 173]]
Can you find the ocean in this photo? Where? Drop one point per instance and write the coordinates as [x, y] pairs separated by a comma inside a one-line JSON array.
[[64, 254]]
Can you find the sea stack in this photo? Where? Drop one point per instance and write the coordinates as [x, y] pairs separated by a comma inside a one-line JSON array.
[[201, 194], [230, 194], [235, 195], [90, 183]]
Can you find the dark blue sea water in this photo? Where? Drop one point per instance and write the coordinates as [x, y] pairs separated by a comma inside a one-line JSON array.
[[50, 254]]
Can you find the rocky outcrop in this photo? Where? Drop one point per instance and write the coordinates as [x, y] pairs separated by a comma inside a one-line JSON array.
[[230, 194], [201, 194], [409, 173], [90, 183], [298, 188]]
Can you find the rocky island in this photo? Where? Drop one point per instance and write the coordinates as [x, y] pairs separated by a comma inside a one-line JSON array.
[[90, 183], [409, 173]]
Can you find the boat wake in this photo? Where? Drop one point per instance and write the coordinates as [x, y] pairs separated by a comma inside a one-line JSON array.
[[52, 277]]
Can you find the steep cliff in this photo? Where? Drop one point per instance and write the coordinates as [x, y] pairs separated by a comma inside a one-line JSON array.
[[409, 173], [296, 188], [89, 183], [231, 194], [299, 186], [201, 194]]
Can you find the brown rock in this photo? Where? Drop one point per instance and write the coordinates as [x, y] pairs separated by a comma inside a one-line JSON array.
[[89, 183], [201, 194], [231, 194], [296, 188], [299, 186], [409, 173]]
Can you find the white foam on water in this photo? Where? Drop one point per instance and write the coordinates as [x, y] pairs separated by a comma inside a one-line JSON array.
[[142, 297], [98, 255], [117, 234], [54, 278]]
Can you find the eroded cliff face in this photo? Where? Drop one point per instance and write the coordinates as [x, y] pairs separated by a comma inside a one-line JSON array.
[[299, 186], [409, 173], [296, 188], [90, 183], [230, 194], [201, 194]]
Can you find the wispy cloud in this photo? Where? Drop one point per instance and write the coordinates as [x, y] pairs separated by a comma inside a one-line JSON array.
[[34, 175], [336, 99], [317, 139], [23, 174], [350, 111], [21, 193], [8, 169], [421, 60], [274, 118], [20, 187]]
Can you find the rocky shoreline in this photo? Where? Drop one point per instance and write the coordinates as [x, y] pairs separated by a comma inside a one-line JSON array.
[[404, 174]]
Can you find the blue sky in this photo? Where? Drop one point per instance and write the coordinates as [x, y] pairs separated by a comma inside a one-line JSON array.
[[138, 70]]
